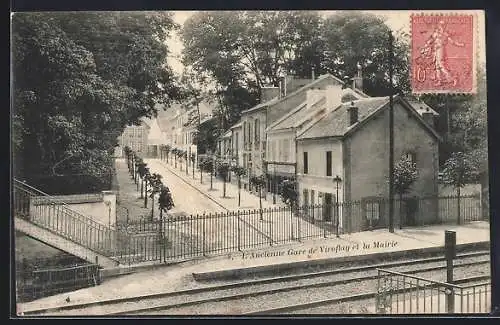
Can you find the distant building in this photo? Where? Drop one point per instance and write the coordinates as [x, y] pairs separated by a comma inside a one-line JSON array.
[[135, 137]]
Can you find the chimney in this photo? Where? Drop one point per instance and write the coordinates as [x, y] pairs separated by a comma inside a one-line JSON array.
[[352, 111], [282, 87], [333, 96], [428, 117], [313, 95], [268, 93], [357, 81]]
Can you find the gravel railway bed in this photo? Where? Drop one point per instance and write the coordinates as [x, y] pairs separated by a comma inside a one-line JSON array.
[[289, 299], [316, 282]]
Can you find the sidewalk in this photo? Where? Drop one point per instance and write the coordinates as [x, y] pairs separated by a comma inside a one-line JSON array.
[[367, 245], [230, 202]]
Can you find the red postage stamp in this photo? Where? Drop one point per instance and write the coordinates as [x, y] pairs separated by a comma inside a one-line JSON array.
[[443, 53]]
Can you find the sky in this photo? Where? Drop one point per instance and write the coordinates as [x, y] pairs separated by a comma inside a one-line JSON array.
[[396, 20]]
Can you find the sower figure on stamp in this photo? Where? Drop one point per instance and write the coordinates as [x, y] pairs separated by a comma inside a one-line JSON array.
[[436, 46]]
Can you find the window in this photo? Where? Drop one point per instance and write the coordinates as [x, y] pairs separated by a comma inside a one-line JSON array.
[[306, 163], [256, 130], [286, 149], [250, 134], [372, 210], [236, 143], [244, 134], [328, 163]]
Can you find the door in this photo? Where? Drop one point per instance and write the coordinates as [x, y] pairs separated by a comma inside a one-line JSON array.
[[327, 206]]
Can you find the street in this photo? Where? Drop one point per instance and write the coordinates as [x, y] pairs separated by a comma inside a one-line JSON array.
[[186, 199]]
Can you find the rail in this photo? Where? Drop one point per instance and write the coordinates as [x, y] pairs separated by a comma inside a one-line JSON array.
[[401, 293]]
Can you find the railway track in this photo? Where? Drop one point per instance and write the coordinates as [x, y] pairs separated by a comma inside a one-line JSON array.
[[342, 280], [349, 298]]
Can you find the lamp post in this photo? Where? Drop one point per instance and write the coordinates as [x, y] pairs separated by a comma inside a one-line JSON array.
[[337, 181], [274, 183], [391, 135]]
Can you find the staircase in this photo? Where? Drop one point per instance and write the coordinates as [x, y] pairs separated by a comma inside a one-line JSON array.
[[43, 218]]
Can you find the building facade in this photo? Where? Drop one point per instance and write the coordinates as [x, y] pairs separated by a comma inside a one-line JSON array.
[[276, 103], [135, 137], [281, 135], [349, 149]]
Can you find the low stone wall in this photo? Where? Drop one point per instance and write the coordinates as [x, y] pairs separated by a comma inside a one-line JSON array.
[[100, 207]]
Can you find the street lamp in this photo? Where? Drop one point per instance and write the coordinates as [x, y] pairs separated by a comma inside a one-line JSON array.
[[274, 183], [391, 134], [337, 181]]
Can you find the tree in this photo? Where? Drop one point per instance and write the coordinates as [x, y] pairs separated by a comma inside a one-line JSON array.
[[223, 169], [239, 171], [206, 136], [128, 157], [207, 166], [155, 188], [175, 154], [288, 193], [351, 38], [141, 171], [147, 180], [259, 182], [405, 174], [459, 170], [243, 51], [193, 159], [168, 148], [185, 157], [462, 121], [87, 76]]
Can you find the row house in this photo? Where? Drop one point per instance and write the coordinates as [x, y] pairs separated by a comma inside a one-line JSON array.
[[275, 103], [343, 157], [282, 134]]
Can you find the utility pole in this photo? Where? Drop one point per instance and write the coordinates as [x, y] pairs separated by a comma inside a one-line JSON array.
[[391, 135]]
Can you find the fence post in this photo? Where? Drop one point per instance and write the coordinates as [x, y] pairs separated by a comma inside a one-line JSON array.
[[295, 209], [203, 236], [291, 222], [238, 229], [272, 213], [450, 238]]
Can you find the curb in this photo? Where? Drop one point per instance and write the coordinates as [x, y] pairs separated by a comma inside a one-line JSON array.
[[239, 273]]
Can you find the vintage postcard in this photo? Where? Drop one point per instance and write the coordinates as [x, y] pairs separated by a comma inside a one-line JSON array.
[[250, 163]]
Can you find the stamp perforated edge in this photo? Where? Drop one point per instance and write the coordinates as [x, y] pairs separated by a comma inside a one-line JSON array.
[[475, 52]]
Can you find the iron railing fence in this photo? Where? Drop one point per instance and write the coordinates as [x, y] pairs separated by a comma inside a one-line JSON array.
[[186, 236], [34, 283], [399, 293], [59, 218]]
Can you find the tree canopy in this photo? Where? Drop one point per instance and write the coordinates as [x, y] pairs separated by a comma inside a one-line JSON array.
[[79, 79]]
